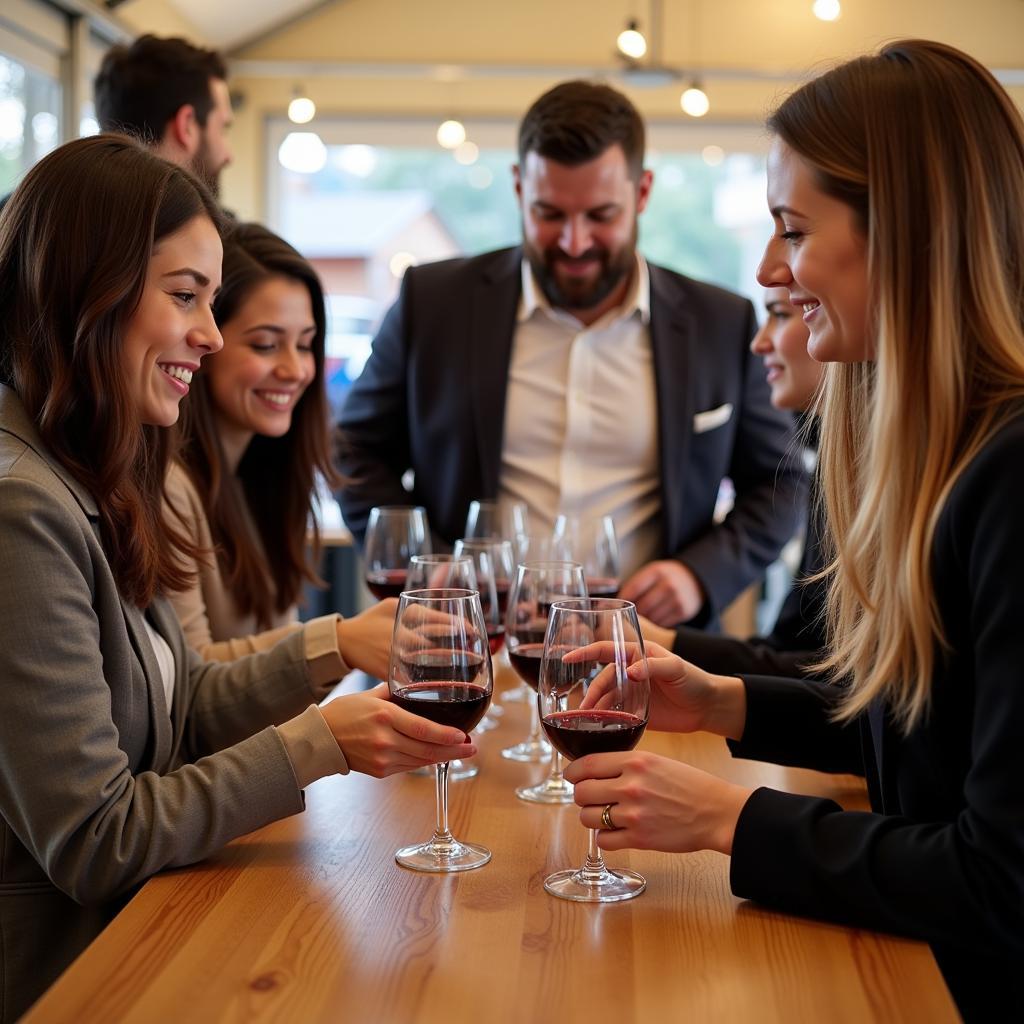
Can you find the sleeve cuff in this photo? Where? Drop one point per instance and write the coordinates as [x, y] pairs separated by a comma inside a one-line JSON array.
[[311, 747], [323, 656]]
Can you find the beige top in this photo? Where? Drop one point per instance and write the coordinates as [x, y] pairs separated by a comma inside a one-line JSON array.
[[207, 611], [215, 629]]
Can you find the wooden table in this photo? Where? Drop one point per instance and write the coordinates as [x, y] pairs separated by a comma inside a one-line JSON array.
[[310, 919]]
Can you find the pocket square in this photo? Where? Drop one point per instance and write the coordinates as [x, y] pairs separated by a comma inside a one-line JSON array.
[[704, 421]]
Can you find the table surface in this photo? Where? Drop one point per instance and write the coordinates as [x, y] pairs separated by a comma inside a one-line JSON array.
[[310, 919]]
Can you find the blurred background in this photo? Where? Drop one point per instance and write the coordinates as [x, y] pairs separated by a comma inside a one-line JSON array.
[[404, 113]]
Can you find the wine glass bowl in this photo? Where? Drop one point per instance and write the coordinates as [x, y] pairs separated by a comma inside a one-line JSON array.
[[591, 705], [535, 587], [591, 541], [394, 533], [443, 571], [441, 670], [501, 520]]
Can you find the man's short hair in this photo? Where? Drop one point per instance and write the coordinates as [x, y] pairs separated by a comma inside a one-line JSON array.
[[139, 88], [575, 122]]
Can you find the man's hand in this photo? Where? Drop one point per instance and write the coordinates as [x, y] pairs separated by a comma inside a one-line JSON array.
[[665, 591]]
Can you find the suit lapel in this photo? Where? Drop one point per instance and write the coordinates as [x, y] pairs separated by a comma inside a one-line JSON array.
[[495, 300], [673, 337]]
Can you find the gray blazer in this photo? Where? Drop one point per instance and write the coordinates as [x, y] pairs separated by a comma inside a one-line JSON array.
[[99, 787]]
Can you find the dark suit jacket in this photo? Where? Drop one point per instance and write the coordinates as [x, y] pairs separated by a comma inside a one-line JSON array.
[[942, 857], [432, 398], [798, 637]]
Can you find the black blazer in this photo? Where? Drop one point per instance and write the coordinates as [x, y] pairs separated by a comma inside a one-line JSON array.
[[942, 857], [432, 399], [796, 640]]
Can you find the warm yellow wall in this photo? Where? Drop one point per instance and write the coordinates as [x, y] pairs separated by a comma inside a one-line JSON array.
[[559, 35]]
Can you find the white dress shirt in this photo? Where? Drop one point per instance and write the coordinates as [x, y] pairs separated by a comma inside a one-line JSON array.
[[581, 418]]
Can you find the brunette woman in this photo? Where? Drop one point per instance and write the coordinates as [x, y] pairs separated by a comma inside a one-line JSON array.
[[896, 183], [255, 440], [121, 752]]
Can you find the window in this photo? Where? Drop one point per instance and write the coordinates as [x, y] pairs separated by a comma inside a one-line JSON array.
[[30, 108]]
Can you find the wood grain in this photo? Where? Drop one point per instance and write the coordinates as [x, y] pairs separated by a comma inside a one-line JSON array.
[[310, 919]]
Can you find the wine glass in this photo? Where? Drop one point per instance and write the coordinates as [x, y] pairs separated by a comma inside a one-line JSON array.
[[591, 541], [493, 561], [432, 572], [535, 587], [500, 519], [394, 533], [441, 669], [448, 571], [589, 707]]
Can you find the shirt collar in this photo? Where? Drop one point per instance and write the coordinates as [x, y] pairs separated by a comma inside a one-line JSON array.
[[637, 300]]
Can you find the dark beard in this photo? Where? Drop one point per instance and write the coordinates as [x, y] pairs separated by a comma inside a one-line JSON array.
[[614, 268], [202, 169]]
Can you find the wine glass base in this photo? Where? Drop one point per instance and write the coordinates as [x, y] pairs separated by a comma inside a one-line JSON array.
[[606, 886], [532, 751], [457, 771], [520, 694], [550, 791], [440, 857]]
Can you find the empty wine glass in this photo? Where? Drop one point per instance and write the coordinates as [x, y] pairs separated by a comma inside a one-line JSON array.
[[441, 670], [447, 571], [500, 519], [537, 585], [591, 541], [394, 533], [432, 572], [591, 706]]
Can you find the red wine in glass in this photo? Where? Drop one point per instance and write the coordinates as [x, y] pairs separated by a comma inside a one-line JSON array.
[[602, 586], [386, 583], [461, 705], [495, 636], [577, 733], [525, 659]]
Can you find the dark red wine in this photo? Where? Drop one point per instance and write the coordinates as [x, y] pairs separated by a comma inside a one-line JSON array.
[[441, 664], [461, 705], [576, 733], [501, 589], [602, 586], [386, 583], [495, 636], [525, 659]]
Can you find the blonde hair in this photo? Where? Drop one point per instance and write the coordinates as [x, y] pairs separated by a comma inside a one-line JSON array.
[[928, 150]]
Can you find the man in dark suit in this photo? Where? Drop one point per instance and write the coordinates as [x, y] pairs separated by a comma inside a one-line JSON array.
[[573, 375]]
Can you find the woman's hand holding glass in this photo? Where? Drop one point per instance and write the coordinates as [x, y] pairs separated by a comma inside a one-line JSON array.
[[379, 738], [364, 640]]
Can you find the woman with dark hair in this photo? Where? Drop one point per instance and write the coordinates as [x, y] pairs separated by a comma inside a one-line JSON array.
[[255, 437], [896, 183], [122, 752]]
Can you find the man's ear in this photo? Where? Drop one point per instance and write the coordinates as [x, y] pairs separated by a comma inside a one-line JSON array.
[[183, 130]]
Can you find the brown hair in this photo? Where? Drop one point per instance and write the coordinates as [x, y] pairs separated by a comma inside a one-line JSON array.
[[139, 88], [282, 512], [575, 122], [928, 150], [75, 245]]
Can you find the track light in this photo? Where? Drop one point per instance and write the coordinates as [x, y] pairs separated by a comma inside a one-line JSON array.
[[302, 109], [694, 100], [631, 42]]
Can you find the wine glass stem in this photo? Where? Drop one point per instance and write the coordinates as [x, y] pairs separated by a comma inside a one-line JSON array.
[[441, 833], [555, 775], [594, 867], [536, 736]]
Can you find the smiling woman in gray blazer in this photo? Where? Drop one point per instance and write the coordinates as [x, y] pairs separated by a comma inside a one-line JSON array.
[[122, 753]]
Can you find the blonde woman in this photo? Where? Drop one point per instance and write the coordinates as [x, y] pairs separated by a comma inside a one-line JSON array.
[[896, 183]]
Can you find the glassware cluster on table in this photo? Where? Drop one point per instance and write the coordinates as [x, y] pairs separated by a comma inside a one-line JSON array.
[[541, 597]]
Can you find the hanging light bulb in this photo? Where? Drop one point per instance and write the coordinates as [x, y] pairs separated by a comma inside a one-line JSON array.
[[826, 10], [631, 42], [302, 152], [694, 100], [302, 109], [451, 134]]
